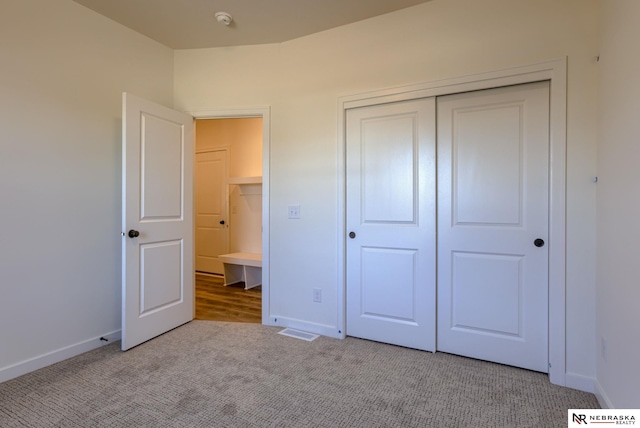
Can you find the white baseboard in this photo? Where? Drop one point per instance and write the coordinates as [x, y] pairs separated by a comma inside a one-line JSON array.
[[580, 382], [322, 329], [56, 356], [603, 400]]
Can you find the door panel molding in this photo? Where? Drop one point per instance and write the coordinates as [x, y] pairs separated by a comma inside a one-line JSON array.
[[554, 71]]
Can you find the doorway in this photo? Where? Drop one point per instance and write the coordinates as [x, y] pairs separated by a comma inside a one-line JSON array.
[[491, 197], [228, 214], [158, 212], [552, 71]]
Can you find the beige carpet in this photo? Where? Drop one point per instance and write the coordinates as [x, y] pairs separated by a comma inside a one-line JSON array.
[[213, 374]]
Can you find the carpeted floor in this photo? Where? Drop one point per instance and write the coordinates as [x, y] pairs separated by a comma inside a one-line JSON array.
[[213, 374]]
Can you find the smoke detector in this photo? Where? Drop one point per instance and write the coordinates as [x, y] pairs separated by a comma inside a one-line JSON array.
[[224, 18]]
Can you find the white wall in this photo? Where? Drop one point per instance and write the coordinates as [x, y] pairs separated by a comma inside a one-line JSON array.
[[618, 280], [302, 79], [62, 71]]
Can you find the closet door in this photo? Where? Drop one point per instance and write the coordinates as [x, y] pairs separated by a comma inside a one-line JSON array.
[[493, 179], [212, 233], [391, 223]]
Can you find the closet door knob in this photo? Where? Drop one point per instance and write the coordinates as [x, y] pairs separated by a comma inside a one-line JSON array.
[[352, 235], [133, 233], [538, 243], [221, 221]]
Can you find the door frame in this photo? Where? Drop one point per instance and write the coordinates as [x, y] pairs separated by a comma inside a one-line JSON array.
[[265, 114], [554, 71]]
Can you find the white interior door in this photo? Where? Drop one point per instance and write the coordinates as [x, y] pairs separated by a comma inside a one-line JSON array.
[[493, 178], [157, 220], [212, 232], [391, 223]]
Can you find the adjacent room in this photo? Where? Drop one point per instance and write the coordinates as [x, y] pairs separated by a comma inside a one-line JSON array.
[[228, 219]]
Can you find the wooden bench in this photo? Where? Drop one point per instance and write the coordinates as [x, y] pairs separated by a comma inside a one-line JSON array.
[[242, 267]]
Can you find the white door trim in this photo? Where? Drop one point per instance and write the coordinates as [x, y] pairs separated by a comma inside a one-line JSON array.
[[265, 114], [556, 72]]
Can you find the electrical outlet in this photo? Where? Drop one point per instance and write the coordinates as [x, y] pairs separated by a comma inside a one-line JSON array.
[[294, 211], [317, 295]]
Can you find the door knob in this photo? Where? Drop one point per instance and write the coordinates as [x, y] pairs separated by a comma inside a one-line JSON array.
[[352, 235], [133, 233], [221, 221], [538, 242]]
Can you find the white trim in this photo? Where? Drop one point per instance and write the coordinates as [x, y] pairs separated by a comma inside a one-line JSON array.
[[473, 82], [602, 397], [580, 382], [44, 360], [230, 113], [341, 204], [265, 113], [556, 72], [297, 324]]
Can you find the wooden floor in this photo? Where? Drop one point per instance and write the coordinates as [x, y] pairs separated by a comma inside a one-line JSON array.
[[233, 303]]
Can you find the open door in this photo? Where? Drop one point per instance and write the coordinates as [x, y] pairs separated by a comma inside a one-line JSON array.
[[157, 220]]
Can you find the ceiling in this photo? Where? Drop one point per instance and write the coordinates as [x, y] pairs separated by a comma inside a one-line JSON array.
[[189, 24]]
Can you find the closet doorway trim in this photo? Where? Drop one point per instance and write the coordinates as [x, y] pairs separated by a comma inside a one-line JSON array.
[[556, 72]]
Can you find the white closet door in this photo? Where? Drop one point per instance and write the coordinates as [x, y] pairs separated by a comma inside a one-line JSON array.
[[391, 223], [212, 232], [493, 179]]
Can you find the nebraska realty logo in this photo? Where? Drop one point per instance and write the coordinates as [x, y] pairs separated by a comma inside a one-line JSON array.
[[579, 417]]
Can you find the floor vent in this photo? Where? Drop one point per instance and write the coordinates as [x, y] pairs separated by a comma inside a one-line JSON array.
[[298, 334]]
